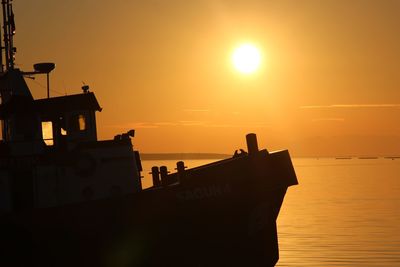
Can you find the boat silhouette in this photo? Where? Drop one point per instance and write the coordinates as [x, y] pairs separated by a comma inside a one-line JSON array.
[[69, 199]]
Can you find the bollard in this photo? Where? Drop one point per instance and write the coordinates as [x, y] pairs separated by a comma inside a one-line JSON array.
[[155, 173], [252, 145], [164, 175], [180, 168]]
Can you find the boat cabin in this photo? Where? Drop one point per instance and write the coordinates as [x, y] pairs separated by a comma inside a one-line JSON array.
[[51, 123], [50, 154]]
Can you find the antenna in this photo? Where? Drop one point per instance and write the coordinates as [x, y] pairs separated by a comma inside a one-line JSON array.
[[1, 46], [8, 36]]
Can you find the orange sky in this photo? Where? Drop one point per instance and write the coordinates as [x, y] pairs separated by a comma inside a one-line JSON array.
[[328, 84]]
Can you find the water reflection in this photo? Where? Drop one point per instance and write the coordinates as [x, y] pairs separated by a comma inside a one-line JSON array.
[[344, 213]]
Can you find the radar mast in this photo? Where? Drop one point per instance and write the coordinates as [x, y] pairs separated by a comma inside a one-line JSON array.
[[7, 48]]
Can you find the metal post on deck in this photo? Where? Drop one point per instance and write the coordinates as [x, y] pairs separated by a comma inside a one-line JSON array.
[[180, 168], [252, 145], [155, 173], [164, 175]]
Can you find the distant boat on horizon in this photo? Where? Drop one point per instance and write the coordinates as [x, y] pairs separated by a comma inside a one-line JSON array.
[[392, 157]]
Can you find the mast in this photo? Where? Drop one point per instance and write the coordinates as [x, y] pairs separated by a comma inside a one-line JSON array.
[[8, 37], [5, 48], [1, 50], [7, 51]]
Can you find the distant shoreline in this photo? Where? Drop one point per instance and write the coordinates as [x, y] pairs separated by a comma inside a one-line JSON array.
[[181, 156], [190, 156]]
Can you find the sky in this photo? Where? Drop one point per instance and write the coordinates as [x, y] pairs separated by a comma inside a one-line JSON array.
[[328, 83]]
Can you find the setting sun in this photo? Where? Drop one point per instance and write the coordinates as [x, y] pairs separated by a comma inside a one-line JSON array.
[[246, 58]]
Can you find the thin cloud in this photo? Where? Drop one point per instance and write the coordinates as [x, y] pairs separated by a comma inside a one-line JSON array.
[[196, 110], [327, 119], [191, 123], [186, 123], [135, 125], [351, 106], [224, 125], [165, 123], [141, 125]]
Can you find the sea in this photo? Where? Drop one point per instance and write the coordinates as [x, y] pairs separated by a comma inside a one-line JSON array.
[[344, 212]]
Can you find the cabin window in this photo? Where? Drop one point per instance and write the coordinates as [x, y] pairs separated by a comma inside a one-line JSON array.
[[47, 132], [63, 131], [63, 128], [82, 122], [78, 123]]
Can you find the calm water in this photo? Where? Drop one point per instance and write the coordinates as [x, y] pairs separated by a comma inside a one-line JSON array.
[[343, 213]]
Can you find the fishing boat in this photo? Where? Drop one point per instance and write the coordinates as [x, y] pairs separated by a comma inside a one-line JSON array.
[[69, 199]]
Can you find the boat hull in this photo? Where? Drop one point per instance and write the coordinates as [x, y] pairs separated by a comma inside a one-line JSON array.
[[223, 214]]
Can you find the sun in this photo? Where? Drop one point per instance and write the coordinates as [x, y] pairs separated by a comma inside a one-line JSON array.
[[246, 58]]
